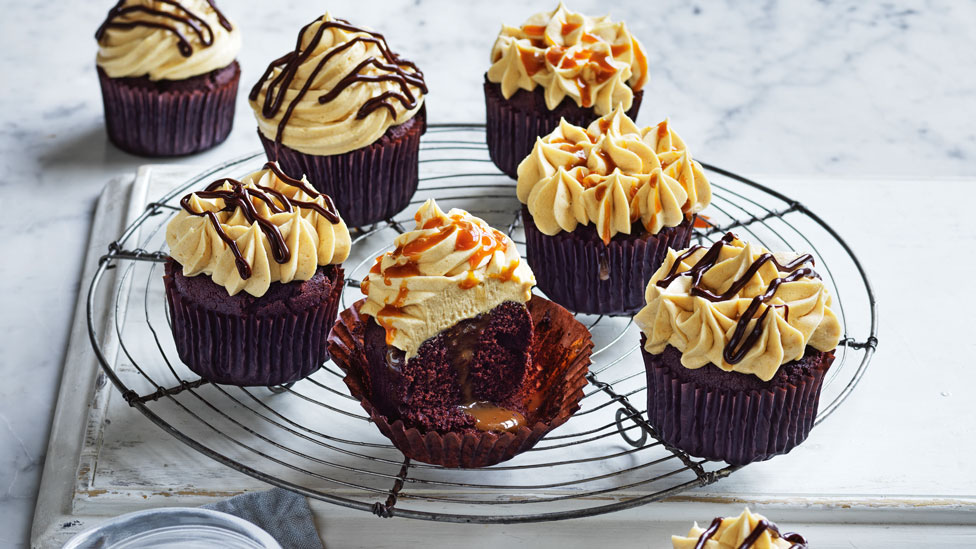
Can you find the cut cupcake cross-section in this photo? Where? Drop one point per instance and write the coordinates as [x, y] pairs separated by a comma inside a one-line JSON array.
[[446, 351], [450, 321]]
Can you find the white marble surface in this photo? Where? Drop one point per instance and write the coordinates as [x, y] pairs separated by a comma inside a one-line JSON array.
[[814, 88]]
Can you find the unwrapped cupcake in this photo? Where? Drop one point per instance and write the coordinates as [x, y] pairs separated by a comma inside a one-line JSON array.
[[602, 207], [748, 530], [558, 65], [736, 342], [450, 354], [168, 75], [254, 280], [346, 111]]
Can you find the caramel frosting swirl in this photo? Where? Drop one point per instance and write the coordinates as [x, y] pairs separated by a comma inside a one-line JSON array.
[[611, 174], [453, 266], [339, 90], [739, 307], [265, 228], [165, 39], [593, 60], [746, 530]]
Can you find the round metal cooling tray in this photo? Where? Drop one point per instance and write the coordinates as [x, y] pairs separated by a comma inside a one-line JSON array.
[[313, 438]]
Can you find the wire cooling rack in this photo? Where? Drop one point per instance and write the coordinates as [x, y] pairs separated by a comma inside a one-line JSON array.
[[313, 438]]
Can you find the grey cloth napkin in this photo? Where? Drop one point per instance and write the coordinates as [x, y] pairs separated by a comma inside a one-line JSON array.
[[283, 514]]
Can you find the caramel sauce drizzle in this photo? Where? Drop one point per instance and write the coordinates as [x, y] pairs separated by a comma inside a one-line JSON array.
[[242, 197], [290, 62], [797, 541], [740, 343], [490, 417], [555, 56], [470, 236], [182, 15]]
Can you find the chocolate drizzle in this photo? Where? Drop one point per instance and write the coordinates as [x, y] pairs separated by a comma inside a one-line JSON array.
[[289, 63], [798, 541], [241, 196], [740, 343], [156, 19]]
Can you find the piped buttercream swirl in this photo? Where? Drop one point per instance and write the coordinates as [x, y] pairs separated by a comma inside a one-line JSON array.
[[593, 60], [165, 39], [746, 530], [265, 228], [739, 307], [453, 266], [611, 174], [341, 89]]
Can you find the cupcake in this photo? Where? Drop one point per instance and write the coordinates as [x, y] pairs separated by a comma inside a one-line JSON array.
[[168, 75], [736, 342], [254, 280], [347, 112], [746, 530], [450, 354], [558, 65], [602, 207]]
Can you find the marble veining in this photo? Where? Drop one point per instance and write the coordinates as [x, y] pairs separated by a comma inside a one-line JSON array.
[[829, 88]]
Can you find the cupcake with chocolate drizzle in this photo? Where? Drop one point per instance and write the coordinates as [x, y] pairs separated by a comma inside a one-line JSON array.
[[558, 65], [602, 207], [348, 112], [747, 531], [168, 75], [444, 352], [736, 342], [255, 277]]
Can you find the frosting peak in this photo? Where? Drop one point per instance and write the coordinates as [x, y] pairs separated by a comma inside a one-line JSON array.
[[453, 266], [748, 530], [339, 90], [265, 228], [593, 60], [612, 174], [165, 39], [739, 307]]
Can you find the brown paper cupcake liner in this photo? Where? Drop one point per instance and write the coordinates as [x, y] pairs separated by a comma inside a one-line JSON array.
[[580, 272], [551, 392], [170, 118], [252, 350], [514, 124], [732, 424], [369, 184]]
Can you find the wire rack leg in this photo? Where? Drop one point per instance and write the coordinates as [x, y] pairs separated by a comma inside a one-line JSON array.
[[385, 510]]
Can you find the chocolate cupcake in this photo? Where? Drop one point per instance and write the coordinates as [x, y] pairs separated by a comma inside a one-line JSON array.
[[603, 206], [348, 113], [558, 65], [254, 281], [445, 355], [748, 530], [168, 75], [736, 343]]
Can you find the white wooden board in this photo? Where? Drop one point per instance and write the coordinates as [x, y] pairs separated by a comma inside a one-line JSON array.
[[896, 453]]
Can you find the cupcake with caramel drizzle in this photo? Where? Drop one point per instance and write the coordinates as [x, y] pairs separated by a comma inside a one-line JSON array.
[[443, 342], [611, 199], [559, 64]]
